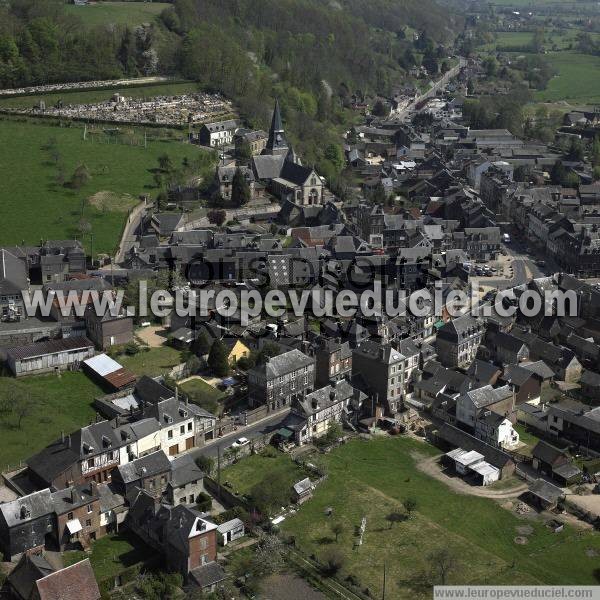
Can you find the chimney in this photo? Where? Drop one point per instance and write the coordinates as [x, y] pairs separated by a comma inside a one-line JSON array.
[[176, 393], [93, 487], [73, 495]]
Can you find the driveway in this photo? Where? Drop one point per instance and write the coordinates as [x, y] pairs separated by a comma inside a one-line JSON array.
[[431, 467]]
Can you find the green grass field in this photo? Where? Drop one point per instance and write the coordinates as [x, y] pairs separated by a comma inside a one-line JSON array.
[[154, 362], [117, 13], [203, 394], [111, 555], [100, 95], [35, 206], [578, 79], [64, 404], [372, 478], [242, 476]]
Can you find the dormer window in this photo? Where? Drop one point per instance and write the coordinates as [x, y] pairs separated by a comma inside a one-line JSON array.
[[106, 441], [183, 413], [167, 418]]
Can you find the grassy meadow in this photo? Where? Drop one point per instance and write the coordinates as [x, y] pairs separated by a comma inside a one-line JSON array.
[[37, 205], [373, 478]]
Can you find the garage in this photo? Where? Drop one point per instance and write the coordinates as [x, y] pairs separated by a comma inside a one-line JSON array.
[[189, 443], [173, 450]]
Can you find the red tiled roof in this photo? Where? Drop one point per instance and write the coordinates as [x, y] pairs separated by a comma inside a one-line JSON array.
[[76, 582]]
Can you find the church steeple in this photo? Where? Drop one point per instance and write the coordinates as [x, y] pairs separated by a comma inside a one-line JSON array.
[[277, 144]]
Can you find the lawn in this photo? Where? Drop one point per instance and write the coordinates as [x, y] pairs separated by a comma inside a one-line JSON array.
[[578, 78], [35, 206], [242, 476], [100, 95], [203, 394], [65, 404], [526, 437], [372, 478], [111, 555], [153, 362], [117, 13]]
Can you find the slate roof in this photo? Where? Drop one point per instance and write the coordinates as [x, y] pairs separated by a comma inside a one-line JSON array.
[[208, 575], [76, 582], [487, 395], [548, 453], [546, 491], [328, 396], [66, 500], [540, 368], [34, 505], [49, 347], [13, 274], [459, 327], [184, 470], [267, 166], [29, 569], [516, 375], [285, 363], [146, 466]]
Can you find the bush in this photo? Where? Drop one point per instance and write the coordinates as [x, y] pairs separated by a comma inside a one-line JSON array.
[[131, 348], [332, 560], [204, 502]]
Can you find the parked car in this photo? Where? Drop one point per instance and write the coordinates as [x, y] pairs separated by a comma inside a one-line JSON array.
[[240, 442]]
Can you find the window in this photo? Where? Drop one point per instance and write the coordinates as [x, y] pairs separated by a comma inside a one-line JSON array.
[[182, 429], [190, 426], [70, 516], [191, 498], [90, 463], [170, 434], [88, 522], [182, 500], [89, 508]]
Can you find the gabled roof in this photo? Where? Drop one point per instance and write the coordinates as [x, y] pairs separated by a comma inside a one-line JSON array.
[[146, 466], [76, 582], [27, 508], [548, 453], [29, 569], [285, 363], [13, 274]]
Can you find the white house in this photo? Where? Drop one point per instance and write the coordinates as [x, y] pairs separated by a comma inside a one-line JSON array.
[[230, 531], [496, 430]]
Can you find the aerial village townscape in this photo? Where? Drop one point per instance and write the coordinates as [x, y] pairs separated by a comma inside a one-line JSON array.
[[229, 153]]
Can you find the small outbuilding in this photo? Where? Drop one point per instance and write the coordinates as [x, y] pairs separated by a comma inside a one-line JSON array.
[[230, 531], [544, 495], [302, 491], [108, 372]]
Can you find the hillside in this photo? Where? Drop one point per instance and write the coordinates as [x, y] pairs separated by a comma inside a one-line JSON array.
[[313, 55]]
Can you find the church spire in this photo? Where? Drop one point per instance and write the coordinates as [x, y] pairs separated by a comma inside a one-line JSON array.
[[277, 144]]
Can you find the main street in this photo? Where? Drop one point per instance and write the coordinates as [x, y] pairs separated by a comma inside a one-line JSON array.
[[254, 431]]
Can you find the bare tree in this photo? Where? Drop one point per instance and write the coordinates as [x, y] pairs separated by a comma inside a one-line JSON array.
[[443, 564], [337, 529]]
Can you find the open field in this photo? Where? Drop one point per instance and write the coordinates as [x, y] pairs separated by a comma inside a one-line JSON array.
[[578, 78], [111, 555], [37, 206], [62, 404], [153, 362], [372, 479], [100, 95], [242, 476], [117, 13]]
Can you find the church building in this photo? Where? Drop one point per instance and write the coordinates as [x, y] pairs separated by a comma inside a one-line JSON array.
[[282, 172]]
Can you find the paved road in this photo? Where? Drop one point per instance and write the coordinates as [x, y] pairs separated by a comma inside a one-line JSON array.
[[254, 431]]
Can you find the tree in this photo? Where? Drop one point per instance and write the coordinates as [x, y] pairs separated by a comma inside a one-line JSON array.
[[337, 529], [269, 556], [217, 217], [395, 517], [596, 152], [81, 176], [165, 164], [410, 505], [244, 151], [271, 493], [240, 189], [193, 364], [379, 109], [205, 463], [332, 560], [378, 196], [558, 173], [443, 564], [218, 358], [201, 345]]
